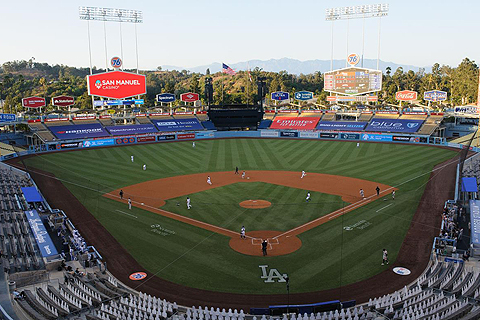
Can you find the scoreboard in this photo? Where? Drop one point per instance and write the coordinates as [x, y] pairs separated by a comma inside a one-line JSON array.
[[353, 81]]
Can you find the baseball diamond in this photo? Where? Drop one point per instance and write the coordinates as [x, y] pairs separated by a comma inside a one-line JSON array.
[[203, 260]]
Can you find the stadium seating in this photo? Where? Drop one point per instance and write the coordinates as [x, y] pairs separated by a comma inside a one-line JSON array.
[[58, 123], [386, 116], [414, 116], [143, 120], [106, 121], [365, 117], [330, 116]]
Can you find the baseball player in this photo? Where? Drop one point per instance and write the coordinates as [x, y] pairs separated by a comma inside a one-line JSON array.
[[303, 174], [362, 194], [209, 181], [131, 158], [242, 233], [193, 144], [385, 257], [358, 144], [121, 194], [308, 197], [144, 167], [188, 203], [129, 203], [236, 170], [378, 190], [243, 174], [393, 195]]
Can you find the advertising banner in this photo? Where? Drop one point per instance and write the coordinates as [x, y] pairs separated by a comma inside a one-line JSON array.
[[341, 125], [350, 136], [467, 109], [127, 140], [166, 97], [182, 136], [166, 137], [98, 143], [311, 135], [406, 139], [376, 137], [435, 95], [291, 134], [63, 101], [189, 97], [79, 131], [33, 102], [280, 95], [70, 145], [394, 125], [329, 135], [302, 123], [131, 129], [44, 242], [178, 124], [116, 84], [406, 95], [7, 117], [303, 95], [204, 134], [268, 134], [146, 139]]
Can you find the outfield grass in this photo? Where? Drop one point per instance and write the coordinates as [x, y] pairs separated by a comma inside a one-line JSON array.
[[330, 255]]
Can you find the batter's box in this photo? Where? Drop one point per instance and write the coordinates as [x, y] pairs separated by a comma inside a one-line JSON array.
[[257, 241], [273, 241]]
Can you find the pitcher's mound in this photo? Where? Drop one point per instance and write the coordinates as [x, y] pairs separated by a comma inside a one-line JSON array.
[[278, 245], [255, 204]]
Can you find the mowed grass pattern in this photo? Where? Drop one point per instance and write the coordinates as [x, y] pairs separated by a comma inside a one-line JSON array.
[[330, 255], [289, 209]]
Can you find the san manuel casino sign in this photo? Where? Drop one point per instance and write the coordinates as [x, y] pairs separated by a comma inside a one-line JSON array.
[[116, 84]]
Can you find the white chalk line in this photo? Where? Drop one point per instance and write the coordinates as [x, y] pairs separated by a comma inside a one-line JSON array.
[[128, 214], [384, 207]]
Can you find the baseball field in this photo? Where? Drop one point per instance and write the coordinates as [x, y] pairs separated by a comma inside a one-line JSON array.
[[333, 240]]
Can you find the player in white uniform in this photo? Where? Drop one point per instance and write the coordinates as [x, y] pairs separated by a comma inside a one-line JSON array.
[[209, 181], [362, 194], [131, 158], [358, 144], [144, 167], [242, 233], [303, 174], [193, 144], [129, 203], [188, 203], [308, 197], [243, 174]]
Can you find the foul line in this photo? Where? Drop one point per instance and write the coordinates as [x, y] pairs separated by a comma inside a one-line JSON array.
[[128, 214], [384, 207]]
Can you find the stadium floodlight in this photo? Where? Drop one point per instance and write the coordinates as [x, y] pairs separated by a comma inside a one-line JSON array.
[[110, 14], [357, 12]]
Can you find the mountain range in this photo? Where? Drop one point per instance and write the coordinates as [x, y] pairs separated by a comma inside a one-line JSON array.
[[294, 66]]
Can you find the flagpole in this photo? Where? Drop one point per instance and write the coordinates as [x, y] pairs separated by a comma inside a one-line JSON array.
[[248, 79]]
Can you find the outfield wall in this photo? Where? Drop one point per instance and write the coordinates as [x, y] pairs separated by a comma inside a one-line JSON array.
[[205, 134]]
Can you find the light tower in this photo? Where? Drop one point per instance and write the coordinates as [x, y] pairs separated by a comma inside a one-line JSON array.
[[357, 12]]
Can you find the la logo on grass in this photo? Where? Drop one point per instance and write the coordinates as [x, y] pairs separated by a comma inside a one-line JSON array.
[[271, 275]]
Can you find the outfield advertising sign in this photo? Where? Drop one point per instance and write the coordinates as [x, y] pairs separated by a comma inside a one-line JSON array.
[[166, 137], [7, 117], [33, 102], [350, 136], [126, 140], [44, 242], [376, 137], [394, 125], [328, 135], [435, 95], [79, 131], [165, 97], [116, 84], [98, 143], [146, 139], [280, 96], [290, 134], [269, 134], [310, 135], [341, 125], [303, 95], [131, 129], [296, 123], [178, 124]]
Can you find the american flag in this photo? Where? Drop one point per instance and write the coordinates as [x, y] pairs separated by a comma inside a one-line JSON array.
[[227, 69]]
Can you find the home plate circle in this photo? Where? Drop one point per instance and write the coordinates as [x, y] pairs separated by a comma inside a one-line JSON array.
[[402, 271], [137, 276]]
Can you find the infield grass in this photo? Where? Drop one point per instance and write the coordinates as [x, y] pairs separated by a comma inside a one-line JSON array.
[[330, 255]]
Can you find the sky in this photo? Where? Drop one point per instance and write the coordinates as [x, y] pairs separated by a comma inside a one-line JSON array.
[[189, 33]]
